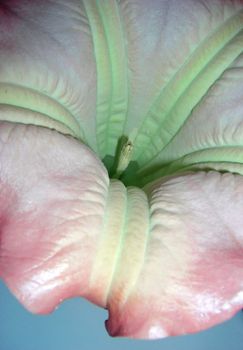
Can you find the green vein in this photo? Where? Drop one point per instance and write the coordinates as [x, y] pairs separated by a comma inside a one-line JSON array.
[[10, 113], [112, 79], [217, 154], [187, 87], [228, 166], [122, 238], [33, 100]]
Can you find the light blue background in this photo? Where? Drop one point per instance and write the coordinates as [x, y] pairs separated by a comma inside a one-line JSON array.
[[77, 325]]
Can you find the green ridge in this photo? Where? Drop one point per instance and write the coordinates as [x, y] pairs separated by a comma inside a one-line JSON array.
[[227, 155], [186, 89], [112, 80], [33, 100]]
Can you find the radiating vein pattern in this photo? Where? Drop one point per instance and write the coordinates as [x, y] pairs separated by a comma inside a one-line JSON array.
[[186, 88], [111, 65]]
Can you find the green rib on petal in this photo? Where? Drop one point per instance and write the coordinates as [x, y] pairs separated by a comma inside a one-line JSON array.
[[14, 95], [112, 82], [187, 87], [225, 158]]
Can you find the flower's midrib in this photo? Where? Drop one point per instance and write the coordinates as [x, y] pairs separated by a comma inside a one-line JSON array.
[[144, 255], [111, 78], [89, 6], [115, 64], [170, 167], [74, 126], [194, 165], [36, 121], [119, 250], [121, 40], [183, 92], [129, 261]]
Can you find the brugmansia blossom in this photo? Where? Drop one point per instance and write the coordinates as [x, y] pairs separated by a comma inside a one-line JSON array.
[[121, 159]]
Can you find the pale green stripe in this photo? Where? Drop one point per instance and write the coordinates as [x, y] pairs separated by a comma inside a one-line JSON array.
[[187, 87], [144, 235], [229, 167], [235, 168], [120, 247], [111, 237], [20, 115], [112, 79], [220, 154], [33, 100]]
